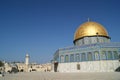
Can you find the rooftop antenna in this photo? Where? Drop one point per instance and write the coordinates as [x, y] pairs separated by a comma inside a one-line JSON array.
[[88, 19]]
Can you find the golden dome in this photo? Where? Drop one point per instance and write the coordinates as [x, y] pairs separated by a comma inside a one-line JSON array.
[[90, 29]]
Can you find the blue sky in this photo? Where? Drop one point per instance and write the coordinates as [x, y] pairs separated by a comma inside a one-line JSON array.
[[40, 27]]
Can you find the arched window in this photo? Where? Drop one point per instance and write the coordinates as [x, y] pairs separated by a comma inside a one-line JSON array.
[[116, 55], [96, 55], [83, 41], [103, 55], [77, 57], [61, 58], [89, 56], [109, 56], [66, 58], [89, 40], [72, 58], [83, 57]]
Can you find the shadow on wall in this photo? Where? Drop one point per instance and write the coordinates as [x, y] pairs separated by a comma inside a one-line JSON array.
[[118, 69]]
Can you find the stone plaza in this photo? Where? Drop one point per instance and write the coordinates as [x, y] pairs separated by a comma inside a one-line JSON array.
[[62, 76]]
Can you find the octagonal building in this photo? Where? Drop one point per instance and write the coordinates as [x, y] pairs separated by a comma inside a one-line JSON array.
[[92, 51]]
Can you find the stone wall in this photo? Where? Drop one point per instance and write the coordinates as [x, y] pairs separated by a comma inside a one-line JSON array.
[[90, 66]]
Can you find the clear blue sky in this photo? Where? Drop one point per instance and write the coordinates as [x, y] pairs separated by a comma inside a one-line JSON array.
[[40, 27]]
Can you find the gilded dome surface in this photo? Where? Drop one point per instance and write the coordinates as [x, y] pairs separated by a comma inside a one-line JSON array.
[[90, 29]]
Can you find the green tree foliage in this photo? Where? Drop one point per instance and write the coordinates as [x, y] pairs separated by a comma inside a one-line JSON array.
[[14, 70], [1, 63]]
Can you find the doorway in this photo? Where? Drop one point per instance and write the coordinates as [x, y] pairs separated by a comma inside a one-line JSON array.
[[55, 66]]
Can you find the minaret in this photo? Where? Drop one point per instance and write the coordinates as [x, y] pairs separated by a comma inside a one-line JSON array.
[[27, 59], [27, 62]]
